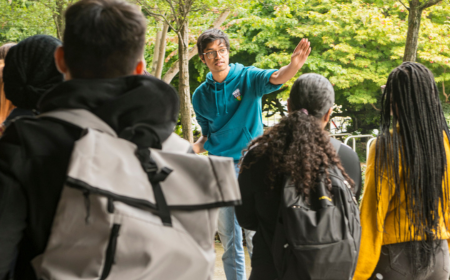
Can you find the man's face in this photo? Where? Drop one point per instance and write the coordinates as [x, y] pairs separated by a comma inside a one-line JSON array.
[[220, 61]]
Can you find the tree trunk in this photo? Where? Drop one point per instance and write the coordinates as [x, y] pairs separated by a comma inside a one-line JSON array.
[[412, 38], [58, 17], [183, 87], [155, 60], [173, 71], [162, 50], [443, 87]]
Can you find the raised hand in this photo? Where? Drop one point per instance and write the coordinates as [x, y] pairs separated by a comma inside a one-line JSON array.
[[300, 54]]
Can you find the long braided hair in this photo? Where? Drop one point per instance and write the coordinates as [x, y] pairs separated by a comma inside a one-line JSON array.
[[410, 152], [298, 146]]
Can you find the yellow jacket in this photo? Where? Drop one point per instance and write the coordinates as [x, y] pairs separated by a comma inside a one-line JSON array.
[[378, 227]]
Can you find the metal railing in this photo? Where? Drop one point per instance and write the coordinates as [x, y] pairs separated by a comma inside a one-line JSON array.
[[340, 134], [354, 137], [368, 147]]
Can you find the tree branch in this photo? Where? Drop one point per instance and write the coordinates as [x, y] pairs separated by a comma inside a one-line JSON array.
[[443, 88], [157, 15], [173, 71], [404, 4], [429, 4], [375, 107], [174, 13]]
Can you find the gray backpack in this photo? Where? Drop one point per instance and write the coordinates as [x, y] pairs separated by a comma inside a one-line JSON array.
[[127, 213]]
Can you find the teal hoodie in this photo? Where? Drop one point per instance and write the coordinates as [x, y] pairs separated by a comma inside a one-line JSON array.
[[230, 112]]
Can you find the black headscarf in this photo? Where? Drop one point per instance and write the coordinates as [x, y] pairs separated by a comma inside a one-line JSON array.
[[30, 70]]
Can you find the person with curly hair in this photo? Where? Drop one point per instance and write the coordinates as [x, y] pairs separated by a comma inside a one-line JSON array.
[[298, 146], [405, 209]]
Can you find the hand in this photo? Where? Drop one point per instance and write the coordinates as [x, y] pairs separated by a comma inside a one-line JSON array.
[[300, 54], [198, 146]]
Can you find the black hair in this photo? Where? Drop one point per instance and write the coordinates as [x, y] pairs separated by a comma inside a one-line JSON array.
[[410, 152], [209, 36], [103, 38], [312, 92]]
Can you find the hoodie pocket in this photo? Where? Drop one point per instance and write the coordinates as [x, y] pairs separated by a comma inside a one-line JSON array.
[[229, 142]]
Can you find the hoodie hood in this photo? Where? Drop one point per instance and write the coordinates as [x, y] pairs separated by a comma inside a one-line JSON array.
[[141, 109], [235, 71]]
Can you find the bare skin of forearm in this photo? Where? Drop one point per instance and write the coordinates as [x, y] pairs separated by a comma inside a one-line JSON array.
[[298, 58], [283, 75], [198, 146]]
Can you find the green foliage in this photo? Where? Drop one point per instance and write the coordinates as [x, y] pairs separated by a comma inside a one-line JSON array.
[[21, 19], [446, 109], [354, 44]]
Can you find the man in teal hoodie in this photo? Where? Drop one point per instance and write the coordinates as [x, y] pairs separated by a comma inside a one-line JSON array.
[[228, 109]]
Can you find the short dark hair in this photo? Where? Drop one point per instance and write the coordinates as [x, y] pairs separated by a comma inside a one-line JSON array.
[[103, 38], [209, 36]]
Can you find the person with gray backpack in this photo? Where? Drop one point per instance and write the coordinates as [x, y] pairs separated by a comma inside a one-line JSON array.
[[97, 186], [297, 195]]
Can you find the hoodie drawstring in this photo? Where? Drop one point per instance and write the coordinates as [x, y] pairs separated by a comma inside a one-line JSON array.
[[215, 94], [226, 97]]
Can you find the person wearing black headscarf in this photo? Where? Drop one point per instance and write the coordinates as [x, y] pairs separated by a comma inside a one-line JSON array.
[[29, 72]]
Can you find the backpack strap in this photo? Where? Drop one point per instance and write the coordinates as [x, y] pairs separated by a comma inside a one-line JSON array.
[[81, 118]]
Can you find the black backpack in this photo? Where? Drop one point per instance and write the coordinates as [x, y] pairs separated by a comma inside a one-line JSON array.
[[319, 239]]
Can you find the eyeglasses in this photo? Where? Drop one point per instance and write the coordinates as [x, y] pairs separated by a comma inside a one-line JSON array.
[[213, 54]]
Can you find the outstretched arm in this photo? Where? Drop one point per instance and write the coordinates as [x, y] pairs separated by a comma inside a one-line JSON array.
[[298, 58]]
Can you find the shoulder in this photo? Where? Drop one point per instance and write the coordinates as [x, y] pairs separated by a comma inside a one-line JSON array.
[[254, 161], [200, 91], [348, 156], [41, 136], [198, 95]]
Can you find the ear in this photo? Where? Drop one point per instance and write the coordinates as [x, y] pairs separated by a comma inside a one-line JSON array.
[[327, 116], [202, 58], [61, 63], [289, 105], [140, 67]]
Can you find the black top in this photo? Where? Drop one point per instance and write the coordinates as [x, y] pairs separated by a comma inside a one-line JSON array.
[[260, 204], [35, 153], [17, 112]]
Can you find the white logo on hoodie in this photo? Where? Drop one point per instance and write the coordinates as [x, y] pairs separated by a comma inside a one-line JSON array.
[[237, 94]]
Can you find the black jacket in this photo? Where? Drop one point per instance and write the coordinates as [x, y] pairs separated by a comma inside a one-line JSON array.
[[35, 152], [260, 204]]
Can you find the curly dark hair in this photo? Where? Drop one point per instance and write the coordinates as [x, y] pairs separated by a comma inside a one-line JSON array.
[[299, 147]]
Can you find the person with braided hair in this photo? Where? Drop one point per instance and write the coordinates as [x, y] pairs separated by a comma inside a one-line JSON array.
[[298, 146], [405, 209]]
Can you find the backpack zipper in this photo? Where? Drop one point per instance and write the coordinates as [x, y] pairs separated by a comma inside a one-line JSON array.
[[87, 190], [348, 187], [87, 203], [110, 251]]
